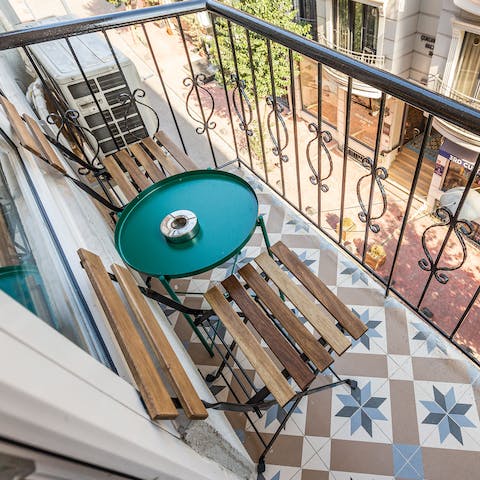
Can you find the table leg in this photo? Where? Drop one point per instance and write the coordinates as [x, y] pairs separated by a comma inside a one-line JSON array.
[[261, 224], [189, 319]]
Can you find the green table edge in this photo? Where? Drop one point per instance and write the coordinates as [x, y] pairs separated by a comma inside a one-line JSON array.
[[173, 179]]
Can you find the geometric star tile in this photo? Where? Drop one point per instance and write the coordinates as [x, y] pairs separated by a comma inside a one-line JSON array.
[[447, 416], [425, 341], [374, 339], [351, 275], [366, 410]]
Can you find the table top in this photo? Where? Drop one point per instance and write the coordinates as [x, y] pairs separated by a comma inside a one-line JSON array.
[[226, 207]]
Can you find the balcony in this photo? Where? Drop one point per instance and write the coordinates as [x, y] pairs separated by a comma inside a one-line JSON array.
[[409, 273], [461, 136], [358, 87]]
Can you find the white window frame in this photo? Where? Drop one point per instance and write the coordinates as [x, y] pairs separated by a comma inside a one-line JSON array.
[[459, 28]]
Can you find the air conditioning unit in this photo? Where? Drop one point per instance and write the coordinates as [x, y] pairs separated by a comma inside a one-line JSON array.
[[106, 81]]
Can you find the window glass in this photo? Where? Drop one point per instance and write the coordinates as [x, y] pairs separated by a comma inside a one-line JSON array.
[[468, 70], [309, 90], [32, 270], [356, 26]]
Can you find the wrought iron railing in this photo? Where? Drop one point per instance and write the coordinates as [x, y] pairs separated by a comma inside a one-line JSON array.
[[370, 58], [352, 204], [443, 87]]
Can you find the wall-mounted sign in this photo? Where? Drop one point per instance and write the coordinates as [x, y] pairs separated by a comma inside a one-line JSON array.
[[426, 38]]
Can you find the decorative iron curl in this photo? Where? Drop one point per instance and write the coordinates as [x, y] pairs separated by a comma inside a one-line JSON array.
[[379, 173], [461, 227], [198, 82], [322, 136], [70, 119], [130, 102], [277, 109], [237, 95]]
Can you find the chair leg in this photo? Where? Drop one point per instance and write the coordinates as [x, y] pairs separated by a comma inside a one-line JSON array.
[[261, 460], [213, 376]]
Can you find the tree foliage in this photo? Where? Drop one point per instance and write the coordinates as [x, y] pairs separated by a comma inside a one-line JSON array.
[[281, 14]]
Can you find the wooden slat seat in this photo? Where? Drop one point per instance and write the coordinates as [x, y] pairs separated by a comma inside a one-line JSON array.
[[256, 355], [152, 389], [347, 319], [269, 315], [21, 130], [137, 166]]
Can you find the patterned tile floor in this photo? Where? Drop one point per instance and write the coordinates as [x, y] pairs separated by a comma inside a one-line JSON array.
[[416, 412]]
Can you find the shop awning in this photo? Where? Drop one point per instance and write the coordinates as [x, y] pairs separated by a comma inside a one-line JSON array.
[[458, 154]]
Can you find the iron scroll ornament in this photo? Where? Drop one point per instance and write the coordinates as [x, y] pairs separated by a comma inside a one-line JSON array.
[[130, 102], [461, 228], [277, 109], [197, 83], [69, 118], [239, 95], [322, 136], [379, 174]]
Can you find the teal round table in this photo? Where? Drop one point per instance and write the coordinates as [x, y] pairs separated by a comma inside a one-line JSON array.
[[227, 211]]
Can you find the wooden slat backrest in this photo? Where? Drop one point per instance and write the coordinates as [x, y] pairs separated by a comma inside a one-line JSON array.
[[253, 351], [155, 395], [305, 340], [148, 164], [19, 127], [167, 162], [279, 345], [355, 327], [180, 156], [120, 178], [324, 326], [133, 169], [192, 405], [49, 153]]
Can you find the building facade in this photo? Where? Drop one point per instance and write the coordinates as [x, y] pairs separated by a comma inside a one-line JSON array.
[[434, 43]]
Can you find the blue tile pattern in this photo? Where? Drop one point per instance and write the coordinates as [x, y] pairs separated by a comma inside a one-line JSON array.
[[407, 461], [449, 415], [361, 407]]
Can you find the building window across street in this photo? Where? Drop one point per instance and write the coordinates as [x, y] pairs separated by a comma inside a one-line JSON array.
[[356, 26], [467, 80]]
